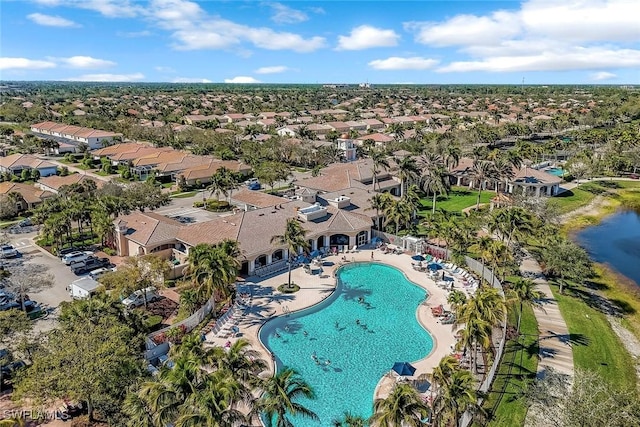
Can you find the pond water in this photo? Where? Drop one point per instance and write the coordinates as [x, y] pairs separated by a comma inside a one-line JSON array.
[[615, 241]]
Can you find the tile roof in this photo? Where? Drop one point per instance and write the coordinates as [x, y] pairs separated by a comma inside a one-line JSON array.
[[213, 231], [257, 198], [377, 137], [148, 228], [338, 176], [208, 169], [534, 176], [24, 160], [29, 193], [55, 181]]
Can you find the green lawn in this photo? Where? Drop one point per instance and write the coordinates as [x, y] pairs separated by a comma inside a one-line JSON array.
[[458, 199], [596, 347], [572, 200], [511, 410]]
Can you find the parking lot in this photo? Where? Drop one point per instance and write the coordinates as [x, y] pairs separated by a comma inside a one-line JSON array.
[[43, 276]]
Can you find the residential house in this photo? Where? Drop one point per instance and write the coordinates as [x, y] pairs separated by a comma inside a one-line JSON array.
[[16, 163], [203, 172], [74, 135], [53, 183], [29, 196]]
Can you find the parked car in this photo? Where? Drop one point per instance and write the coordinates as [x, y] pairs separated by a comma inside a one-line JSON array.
[[25, 222], [634, 176], [67, 251], [138, 298], [251, 181], [96, 274], [254, 186], [8, 251], [72, 257], [90, 264]]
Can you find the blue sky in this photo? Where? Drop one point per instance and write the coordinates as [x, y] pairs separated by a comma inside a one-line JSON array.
[[421, 42]]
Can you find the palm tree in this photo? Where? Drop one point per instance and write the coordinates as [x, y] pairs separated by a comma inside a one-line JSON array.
[[349, 420], [456, 300], [403, 407], [138, 412], [482, 245], [523, 291], [455, 397], [280, 396], [213, 268], [481, 172], [399, 213], [240, 360], [293, 238], [407, 171], [380, 202], [435, 177], [379, 159]]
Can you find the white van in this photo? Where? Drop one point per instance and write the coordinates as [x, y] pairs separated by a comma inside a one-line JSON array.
[[137, 298]]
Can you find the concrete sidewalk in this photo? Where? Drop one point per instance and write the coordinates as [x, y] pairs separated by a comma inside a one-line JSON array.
[[555, 345]]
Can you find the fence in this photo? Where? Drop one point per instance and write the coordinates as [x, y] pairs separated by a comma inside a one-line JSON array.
[[190, 323], [491, 278]]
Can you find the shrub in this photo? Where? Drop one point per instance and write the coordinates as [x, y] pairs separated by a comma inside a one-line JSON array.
[[198, 204], [217, 205]]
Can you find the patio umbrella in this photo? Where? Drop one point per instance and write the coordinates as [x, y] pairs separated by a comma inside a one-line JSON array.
[[418, 258], [434, 266], [404, 369], [376, 240]]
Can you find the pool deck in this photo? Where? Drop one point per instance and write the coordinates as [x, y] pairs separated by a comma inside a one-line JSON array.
[[267, 302]]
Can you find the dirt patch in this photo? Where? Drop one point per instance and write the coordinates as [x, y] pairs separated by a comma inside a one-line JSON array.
[[164, 307]]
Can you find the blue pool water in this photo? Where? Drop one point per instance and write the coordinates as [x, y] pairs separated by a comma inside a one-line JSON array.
[[359, 355], [555, 171]]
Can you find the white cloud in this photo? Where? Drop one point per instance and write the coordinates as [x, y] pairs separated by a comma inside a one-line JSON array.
[[190, 80], [163, 69], [24, 63], [285, 15], [540, 36], [108, 8], [602, 75], [52, 21], [366, 37], [466, 29], [272, 70], [242, 79], [194, 29], [398, 63], [559, 60], [107, 78], [84, 62], [134, 34]]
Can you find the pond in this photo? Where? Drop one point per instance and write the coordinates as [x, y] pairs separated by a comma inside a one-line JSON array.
[[615, 241]]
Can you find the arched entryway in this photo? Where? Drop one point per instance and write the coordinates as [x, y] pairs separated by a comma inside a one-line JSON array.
[[261, 261], [339, 242], [277, 255], [320, 242]]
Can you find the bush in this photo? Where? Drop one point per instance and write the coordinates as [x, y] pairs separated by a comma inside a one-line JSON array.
[[109, 251], [217, 205], [198, 204], [152, 322]]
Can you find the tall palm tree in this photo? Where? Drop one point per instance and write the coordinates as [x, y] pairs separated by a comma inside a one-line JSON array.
[[399, 213], [435, 177], [294, 237], [240, 360], [481, 172], [403, 407], [455, 397], [213, 268], [280, 396], [482, 245], [380, 202], [407, 171], [524, 292], [379, 161]]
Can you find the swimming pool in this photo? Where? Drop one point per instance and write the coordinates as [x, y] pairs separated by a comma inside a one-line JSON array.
[[350, 357], [555, 171]]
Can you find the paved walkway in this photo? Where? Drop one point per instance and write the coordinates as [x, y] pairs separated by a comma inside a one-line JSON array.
[[555, 345]]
